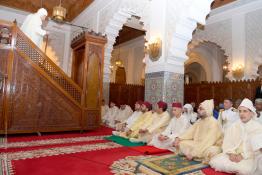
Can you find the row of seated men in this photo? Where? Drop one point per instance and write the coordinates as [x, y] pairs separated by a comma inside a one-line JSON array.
[[231, 144]]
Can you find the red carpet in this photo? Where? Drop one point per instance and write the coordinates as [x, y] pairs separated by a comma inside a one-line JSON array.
[[69, 153], [149, 150], [93, 163], [211, 171]]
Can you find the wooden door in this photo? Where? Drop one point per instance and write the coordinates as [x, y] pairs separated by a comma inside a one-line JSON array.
[[78, 66]]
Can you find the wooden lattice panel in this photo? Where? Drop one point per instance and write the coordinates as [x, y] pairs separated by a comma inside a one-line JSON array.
[[34, 54]]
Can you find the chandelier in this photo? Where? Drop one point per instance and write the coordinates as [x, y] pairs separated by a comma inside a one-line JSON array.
[[59, 13]]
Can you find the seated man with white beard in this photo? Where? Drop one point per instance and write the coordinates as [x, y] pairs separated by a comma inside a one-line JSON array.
[[127, 123], [188, 111], [256, 143], [124, 112], [109, 118], [201, 140], [238, 155], [176, 127], [153, 125]]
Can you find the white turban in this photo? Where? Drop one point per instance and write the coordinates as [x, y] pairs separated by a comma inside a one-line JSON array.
[[208, 105], [248, 104], [42, 12], [189, 108]]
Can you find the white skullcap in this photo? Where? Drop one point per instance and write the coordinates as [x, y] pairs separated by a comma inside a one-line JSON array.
[[42, 12], [189, 107], [248, 104], [208, 105]]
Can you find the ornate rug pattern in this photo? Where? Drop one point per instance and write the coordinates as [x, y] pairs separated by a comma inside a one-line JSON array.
[[29, 154], [156, 165], [51, 141]]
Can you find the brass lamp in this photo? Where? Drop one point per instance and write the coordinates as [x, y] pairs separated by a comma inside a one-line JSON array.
[[238, 71], [154, 49], [59, 13]]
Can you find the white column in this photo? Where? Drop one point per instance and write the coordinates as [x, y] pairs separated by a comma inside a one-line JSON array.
[[238, 40]]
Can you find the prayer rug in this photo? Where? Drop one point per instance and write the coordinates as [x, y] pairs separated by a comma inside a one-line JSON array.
[[149, 150], [171, 164], [130, 165], [123, 141]]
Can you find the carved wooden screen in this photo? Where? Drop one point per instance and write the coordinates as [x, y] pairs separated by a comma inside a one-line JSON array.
[[126, 93], [219, 91], [34, 104], [120, 75]]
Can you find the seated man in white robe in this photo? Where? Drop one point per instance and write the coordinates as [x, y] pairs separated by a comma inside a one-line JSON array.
[[104, 109], [256, 143], [123, 114], [175, 128], [121, 127], [201, 141], [133, 131], [258, 105], [111, 114], [238, 155], [188, 111], [228, 115], [154, 125], [32, 26]]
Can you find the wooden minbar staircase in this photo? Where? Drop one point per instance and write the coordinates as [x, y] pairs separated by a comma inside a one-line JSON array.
[[37, 96]]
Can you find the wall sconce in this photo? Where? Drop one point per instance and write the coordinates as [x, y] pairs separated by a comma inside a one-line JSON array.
[[225, 67], [238, 71], [119, 63], [154, 49]]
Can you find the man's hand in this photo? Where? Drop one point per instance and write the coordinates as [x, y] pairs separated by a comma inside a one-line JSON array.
[[235, 157], [176, 143], [162, 137], [189, 157], [143, 131], [116, 121]]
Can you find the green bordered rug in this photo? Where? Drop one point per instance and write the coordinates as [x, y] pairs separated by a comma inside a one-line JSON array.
[[123, 141], [170, 164]]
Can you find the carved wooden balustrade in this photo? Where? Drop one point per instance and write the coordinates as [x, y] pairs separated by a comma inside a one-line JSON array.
[[220, 90], [36, 96], [126, 93]]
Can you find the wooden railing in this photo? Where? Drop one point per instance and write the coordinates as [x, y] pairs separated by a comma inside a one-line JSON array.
[[126, 93], [29, 50], [220, 90]]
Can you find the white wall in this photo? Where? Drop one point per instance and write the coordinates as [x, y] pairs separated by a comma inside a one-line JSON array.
[[132, 54], [237, 28], [59, 39], [210, 57]]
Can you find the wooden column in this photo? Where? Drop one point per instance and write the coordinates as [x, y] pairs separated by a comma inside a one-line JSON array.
[[87, 71]]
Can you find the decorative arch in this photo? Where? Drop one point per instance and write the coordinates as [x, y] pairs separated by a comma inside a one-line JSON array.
[[115, 24], [203, 63], [217, 69]]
